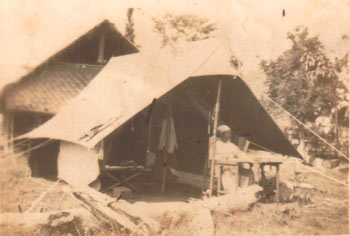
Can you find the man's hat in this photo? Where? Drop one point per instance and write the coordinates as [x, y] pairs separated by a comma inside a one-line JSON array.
[[223, 128]]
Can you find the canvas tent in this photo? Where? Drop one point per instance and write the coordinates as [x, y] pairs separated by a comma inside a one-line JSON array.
[[118, 105]]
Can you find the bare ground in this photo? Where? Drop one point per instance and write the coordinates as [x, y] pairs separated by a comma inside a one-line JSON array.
[[327, 214]]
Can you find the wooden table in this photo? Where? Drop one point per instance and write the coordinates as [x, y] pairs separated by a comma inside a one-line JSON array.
[[261, 162]]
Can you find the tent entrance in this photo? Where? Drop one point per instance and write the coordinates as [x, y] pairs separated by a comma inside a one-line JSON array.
[[193, 102], [130, 141], [191, 112]]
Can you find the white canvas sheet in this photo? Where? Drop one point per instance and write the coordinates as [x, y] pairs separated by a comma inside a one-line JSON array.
[[78, 165]]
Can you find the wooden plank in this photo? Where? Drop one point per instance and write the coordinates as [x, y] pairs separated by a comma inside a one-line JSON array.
[[120, 168], [98, 205], [236, 162], [128, 209], [100, 211]]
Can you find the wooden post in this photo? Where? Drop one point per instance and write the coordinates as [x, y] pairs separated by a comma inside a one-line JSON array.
[[206, 162], [149, 125], [219, 180], [277, 183], [263, 178], [256, 172], [204, 180], [101, 46], [237, 178], [165, 153], [165, 163], [5, 129], [8, 126], [216, 118], [11, 132]]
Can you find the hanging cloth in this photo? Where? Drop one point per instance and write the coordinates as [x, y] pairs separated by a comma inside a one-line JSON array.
[[168, 139]]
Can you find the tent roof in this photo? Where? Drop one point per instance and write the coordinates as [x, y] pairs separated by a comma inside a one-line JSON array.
[[126, 85]]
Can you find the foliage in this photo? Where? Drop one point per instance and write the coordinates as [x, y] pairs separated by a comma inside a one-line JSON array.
[[130, 32], [188, 27], [304, 80]]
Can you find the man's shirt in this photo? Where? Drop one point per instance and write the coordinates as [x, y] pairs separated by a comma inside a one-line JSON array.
[[226, 151]]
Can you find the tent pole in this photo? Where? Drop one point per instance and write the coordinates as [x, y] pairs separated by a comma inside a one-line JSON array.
[[149, 125], [165, 154], [216, 118], [206, 163], [165, 158]]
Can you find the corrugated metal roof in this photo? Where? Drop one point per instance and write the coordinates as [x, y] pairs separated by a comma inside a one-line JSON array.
[[48, 90]]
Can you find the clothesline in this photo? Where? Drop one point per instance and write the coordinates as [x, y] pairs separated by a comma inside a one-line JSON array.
[[4, 152], [313, 132], [33, 148]]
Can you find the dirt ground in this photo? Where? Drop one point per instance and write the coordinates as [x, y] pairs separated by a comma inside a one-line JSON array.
[[327, 214]]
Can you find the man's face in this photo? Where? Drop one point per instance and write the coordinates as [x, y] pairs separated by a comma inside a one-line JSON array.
[[226, 136]]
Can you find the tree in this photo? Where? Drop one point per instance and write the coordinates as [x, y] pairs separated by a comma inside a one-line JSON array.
[[188, 27], [304, 81], [130, 34]]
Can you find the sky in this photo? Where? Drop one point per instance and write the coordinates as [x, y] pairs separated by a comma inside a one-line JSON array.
[[32, 31]]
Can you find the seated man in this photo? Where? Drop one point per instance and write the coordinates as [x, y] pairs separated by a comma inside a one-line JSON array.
[[227, 151]]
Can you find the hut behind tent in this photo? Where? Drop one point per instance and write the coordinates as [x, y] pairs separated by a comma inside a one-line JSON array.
[[38, 95]]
